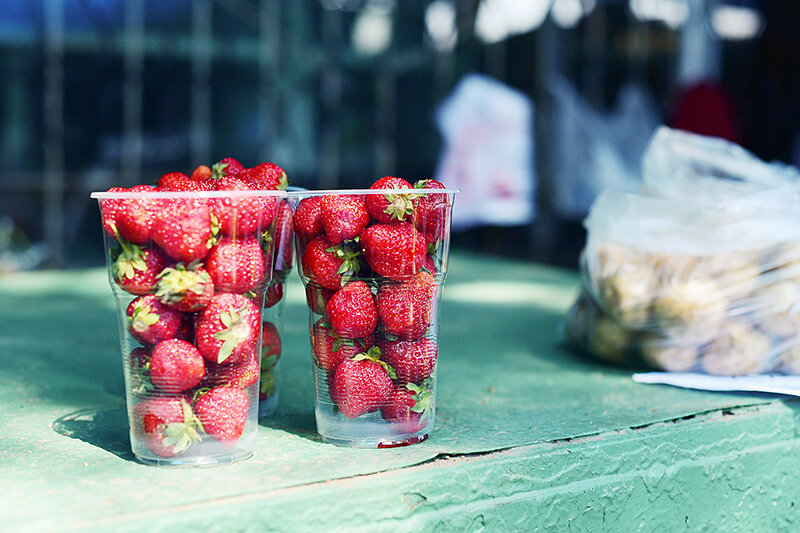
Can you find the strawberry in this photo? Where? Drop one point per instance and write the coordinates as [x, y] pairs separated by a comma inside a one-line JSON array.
[[270, 345], [191, 186], [183, 229], [108, 211], [227, 328], [239, 375], [176, 366], [390, 207], [330, 349], [307, 218], [223, 413], [410, 406], [270, 353], [284, 251], [227, 166], [274, 294], [396, 251], [266, 176], [405, 308], [413, 361], [317, 298], [431, 211], [166, 425], [150, 321], [240, 215], [136, 268], [139, 364], [236, 265], [201, 173], [330, 266], [343, 216], [361, 384], [166, 181], [187, 288], [134, 216], [351, 311]]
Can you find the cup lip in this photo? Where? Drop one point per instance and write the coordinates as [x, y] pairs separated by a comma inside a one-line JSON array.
[[166, 195], [328, 192]]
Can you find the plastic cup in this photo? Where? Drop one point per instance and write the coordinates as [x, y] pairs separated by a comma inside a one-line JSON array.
[[189, 272], [373, 285], [272, 315]]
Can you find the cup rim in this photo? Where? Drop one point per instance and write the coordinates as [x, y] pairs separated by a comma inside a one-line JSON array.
[[166, 195], [328, 192]]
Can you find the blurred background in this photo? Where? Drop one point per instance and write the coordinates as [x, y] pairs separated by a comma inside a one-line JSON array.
[[529, 106]]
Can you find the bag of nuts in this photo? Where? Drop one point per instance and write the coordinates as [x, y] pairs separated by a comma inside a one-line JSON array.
[[699, 272]]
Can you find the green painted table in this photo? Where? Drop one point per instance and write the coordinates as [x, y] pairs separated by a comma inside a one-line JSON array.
[[529, 436]]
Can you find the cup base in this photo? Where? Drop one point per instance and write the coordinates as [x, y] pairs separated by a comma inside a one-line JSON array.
[[196, 461], [393, 442]]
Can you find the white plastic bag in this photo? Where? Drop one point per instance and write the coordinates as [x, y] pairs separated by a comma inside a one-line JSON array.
[[702, 270]]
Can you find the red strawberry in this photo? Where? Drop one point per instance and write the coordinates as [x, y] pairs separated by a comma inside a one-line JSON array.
[[183, 229], [307, 218], [430, 265], [185, 288], [343, 216], [390, 207], [223, 413], [317, 298], [274, 294], [176, 366], [201, 173], [239, 375], [361, 384], [166, 425], [351, 311], [169, 179], [413, 361], [405, 308], [227, 328], [227, 166], [139, 361], [267, 176], [270, 345], [330, 266], [108, 211], [150, 321], [270, 354], [396, 251], [191, 186], [409, 405], [330, 349], [240, 215], [284, 251], [134, 216], [431, 211], [136, 269], [236, 265]]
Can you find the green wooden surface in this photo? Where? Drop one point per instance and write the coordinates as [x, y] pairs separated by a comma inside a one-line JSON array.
[[528, 436]]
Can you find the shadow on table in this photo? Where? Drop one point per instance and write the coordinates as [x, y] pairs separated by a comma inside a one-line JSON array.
[[106, 429]]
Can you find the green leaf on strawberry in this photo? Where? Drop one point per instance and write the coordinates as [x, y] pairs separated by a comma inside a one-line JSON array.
[[236, 330], [349, 252], [181, 435], [267, 386], [374, 354], [400, 206]]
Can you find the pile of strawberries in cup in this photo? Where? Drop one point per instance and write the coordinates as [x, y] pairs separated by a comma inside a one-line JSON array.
[[191, 263], [372, 262]]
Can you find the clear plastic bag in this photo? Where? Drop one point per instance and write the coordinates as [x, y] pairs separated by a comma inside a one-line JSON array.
[[699, 272]]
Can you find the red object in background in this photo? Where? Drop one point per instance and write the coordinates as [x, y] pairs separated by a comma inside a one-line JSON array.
[[706, 109]]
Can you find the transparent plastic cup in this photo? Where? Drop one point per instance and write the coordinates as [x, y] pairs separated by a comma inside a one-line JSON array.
[[272, 315], [373, 264], [189, 272]]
